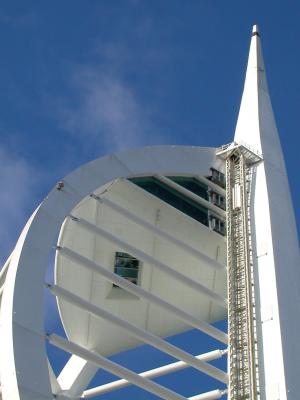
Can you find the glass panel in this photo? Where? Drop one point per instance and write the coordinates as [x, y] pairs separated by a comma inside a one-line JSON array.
[[217, 177], [126, 266], [217, 200], [172, 197], [191, 184], [217, 225]]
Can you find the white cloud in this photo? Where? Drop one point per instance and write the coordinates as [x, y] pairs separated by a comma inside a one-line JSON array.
[[105, 111], [17, 179]]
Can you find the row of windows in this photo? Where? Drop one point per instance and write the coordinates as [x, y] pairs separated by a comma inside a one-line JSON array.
[[176, 199], [127, 266], [217, 199], [217, 177], [182, 202], [191, 184], [217, 225]]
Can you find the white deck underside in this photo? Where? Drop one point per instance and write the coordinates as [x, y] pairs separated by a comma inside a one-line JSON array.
[[98, 334]]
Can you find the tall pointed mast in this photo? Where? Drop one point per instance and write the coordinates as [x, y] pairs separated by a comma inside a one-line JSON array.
[[256, 123], [274, 239]]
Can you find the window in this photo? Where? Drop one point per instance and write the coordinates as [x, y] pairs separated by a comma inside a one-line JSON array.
[[192, 184], [176, 199], [217, 225], [127, 267], [217, 177], [217, 199]]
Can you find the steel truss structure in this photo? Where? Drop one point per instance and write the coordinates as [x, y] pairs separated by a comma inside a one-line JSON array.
[[243, 355]]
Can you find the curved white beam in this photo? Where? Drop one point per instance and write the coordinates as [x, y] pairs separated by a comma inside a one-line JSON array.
[[4, 269], [22, 332], [3, 273]]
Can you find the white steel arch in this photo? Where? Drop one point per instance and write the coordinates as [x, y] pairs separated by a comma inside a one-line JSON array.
[[22, 333]]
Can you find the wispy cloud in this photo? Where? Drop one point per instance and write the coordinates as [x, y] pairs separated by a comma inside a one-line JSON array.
[[105, 110], [108, 100], [18, 179]]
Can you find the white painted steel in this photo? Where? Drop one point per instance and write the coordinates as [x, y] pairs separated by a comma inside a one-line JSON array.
[[146, 257], [191, 195], [142, 335], [276, 249], [242, 355], [138, 291], [165, 235], [55, 386], [22, 337], [75, 376], [1, 290], [114, 368], [82, 327], [3, 273], [4, 269], [153, 373], [214, 394]]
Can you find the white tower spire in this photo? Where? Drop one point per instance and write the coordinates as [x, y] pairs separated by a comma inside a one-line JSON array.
[[276, 252]]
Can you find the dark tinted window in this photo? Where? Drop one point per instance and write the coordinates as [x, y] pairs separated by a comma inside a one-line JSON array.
[[176, 199]]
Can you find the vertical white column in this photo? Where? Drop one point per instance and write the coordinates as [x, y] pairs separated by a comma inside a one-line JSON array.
[[276, 251]]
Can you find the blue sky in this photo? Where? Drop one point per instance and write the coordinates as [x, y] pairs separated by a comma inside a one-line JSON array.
[[82, 79]]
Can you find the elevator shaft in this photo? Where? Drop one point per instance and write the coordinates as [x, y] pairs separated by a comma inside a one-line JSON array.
[[242, 355]]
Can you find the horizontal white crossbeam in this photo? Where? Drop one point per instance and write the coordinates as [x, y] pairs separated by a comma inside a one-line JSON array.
[[212, 395], [159, 232], [197, 199], [114, 368], [153, 373], [203, 326], [140, 334], [147, 258]]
